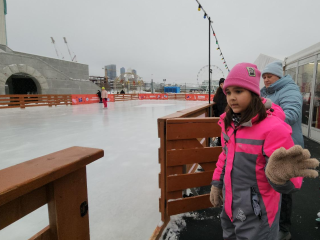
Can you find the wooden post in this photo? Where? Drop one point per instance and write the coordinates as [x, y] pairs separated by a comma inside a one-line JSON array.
[[55, 100], [22, 104], [49, 100], [68, 206]]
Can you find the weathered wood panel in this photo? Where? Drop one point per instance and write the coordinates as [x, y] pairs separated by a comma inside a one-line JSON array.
[[191, 180], [190, 130], [67, 196], [195, 155], [44, 234], [188, 204], [20, 207]]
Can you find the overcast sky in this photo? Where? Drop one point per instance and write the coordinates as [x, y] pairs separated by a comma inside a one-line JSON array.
[[162, 39]]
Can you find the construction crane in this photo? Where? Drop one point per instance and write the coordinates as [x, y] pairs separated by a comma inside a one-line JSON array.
[[74, 57], [54, 44]]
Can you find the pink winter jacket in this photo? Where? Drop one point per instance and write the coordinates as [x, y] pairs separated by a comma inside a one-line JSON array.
[[241, 166], [104, 94]]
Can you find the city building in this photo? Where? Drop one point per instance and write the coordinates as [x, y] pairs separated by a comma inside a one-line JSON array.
[[122, 70], [111, 71]]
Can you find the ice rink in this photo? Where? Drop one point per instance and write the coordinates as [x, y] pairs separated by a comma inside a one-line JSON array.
[[122, 187]]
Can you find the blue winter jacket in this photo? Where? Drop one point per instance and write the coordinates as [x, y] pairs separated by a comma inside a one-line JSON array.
[[286, 94]]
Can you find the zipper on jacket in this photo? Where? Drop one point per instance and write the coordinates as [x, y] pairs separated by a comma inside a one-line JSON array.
[[234, 156], [255, 203]]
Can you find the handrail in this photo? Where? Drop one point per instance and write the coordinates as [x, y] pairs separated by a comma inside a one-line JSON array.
[[58, 179]]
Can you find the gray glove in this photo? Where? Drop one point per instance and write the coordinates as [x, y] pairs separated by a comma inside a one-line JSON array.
[[216, 196], [294, 162]]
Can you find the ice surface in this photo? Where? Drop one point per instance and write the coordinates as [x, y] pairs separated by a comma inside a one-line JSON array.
[[122, 187]]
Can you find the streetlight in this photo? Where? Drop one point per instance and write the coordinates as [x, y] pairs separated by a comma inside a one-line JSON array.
[[152, 83]]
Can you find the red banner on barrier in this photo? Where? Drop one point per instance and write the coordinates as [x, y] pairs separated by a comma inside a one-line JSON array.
[[199, 97], [88, 98], [153, 96], [84, 99]]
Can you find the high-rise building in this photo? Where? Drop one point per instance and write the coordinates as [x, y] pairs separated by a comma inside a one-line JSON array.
[[3, 31], [111, 71], [122, 70], [134, 72]]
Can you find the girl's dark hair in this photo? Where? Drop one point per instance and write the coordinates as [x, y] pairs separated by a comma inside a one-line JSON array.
[[255, 107]]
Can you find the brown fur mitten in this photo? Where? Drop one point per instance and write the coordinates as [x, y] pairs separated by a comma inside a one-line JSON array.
[[216, 196], [294, 162]]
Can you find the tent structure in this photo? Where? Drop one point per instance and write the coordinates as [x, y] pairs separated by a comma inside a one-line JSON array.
[[262, 61]]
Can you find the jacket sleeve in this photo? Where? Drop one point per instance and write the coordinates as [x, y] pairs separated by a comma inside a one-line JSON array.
[[218, 174], [280, 136], [291, 103]]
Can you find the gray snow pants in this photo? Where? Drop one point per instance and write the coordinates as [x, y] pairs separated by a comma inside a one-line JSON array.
[[252, 228]]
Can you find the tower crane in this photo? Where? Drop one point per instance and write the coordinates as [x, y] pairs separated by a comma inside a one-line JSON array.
[[74, 57], [54, 44]]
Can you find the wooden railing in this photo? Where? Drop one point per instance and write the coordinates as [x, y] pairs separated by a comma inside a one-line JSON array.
[[57, 179], [34, 100], [184, 143], [177, 96], [125, 97]]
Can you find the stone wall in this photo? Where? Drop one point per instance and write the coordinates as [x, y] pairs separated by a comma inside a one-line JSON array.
[[54, 76]]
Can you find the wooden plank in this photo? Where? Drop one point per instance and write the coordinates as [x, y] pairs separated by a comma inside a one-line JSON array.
[[183, 144], [208, 166], [188, 204], [156, 235], [194, 155], [187, 112], [193, 120], [66, 196], [192, 130], [22, 206], [25, 177], [44, 234], [163, 168], [191, 180]]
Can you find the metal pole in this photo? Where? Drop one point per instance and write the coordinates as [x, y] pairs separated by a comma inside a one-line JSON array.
[[209, 66]]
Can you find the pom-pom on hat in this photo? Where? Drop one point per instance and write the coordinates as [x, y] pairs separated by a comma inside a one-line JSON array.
[[245, 75]]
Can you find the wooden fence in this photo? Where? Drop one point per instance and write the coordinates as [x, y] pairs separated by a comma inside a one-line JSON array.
[[34, 100], [177, 96], [184, 144], [125, 97], [57, 179]]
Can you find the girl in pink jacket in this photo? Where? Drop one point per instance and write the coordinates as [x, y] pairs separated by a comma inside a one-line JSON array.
[[258, 162]]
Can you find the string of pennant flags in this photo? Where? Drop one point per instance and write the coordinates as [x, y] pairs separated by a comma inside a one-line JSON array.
[[214, 34]]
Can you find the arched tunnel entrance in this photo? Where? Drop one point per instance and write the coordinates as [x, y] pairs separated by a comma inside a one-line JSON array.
[[21, 83]]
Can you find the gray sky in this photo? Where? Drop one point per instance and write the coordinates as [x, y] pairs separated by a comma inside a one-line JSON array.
[[168, 39]]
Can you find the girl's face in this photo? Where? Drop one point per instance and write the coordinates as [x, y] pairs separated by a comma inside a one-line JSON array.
[[238, 98]]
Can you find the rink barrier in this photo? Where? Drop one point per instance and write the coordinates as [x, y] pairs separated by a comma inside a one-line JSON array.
[[34, 100], [57, 179], [184, 143], [125, 97], [177, 96]]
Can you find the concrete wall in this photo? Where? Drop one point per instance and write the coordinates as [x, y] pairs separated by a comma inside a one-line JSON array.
[[55, 76]]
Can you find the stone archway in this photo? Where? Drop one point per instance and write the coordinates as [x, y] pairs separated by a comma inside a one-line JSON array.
[[7, 71]]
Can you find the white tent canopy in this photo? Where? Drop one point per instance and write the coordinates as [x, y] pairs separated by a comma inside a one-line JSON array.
[[262, 61], [310, 51]]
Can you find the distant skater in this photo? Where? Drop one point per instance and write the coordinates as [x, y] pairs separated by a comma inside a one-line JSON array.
[[104, 96], [99, 95]]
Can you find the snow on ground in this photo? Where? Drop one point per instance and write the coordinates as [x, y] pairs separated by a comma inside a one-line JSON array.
[[122, 187]]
